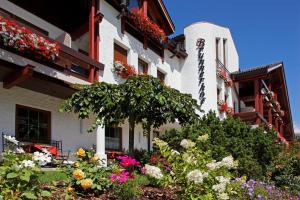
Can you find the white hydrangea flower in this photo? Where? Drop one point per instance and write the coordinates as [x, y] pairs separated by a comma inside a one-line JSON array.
[[41, 158], [203, 138], [196, 176], [213, 165], [228, 162], [159, 142], [27, 163], [174, 152], [223, 179], [11, 139], [223, 196], [187, 144], [153, 171], [221, 187], [20, 150]]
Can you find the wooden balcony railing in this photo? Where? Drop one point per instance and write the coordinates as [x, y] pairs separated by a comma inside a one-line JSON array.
[[68, 61]]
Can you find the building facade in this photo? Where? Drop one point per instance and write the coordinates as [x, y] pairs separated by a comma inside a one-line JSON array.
[[93, 35]]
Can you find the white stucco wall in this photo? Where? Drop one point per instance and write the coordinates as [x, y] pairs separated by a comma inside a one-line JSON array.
[[189, 74], [110, 33], [64, 126]]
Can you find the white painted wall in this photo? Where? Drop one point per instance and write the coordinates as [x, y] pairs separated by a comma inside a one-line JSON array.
[[189, 74]]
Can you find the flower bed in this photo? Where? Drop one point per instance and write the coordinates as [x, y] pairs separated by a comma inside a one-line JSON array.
[[146, 25], [123, 70], [25, 41]]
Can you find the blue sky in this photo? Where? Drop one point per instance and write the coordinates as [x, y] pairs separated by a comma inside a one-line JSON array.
[[264, 31]]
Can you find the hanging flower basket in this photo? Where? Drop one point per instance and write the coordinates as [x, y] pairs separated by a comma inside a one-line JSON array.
[[25, 41], [123, 70], [230, 111], [266, 99], [222, 106], [146, 25], [271, 94], [228, 82], [222, 74]]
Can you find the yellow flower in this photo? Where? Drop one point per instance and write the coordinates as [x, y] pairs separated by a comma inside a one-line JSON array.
[[76, 165], [70, 189], [78, 174], [86, 184], [80, 152], [95, 159]]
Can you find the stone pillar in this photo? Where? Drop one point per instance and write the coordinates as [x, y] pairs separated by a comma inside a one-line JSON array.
[[100, 146]]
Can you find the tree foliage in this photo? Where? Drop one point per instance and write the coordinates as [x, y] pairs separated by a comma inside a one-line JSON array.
[[255, 149], [141, 99]]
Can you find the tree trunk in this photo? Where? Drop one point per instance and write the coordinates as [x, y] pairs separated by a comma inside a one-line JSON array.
[[131, 135], [148, 137]]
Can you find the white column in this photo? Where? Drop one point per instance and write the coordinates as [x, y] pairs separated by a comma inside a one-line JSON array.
[[100, 146]]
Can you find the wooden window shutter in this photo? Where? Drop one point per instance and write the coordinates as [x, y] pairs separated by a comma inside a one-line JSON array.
[[120, 54]]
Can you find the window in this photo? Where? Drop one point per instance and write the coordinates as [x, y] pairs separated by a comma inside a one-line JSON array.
[[113, 138], [120, 54], [143, 67], [218, 93], [161, 76], [225, 52], [217, 48], [33, 125]]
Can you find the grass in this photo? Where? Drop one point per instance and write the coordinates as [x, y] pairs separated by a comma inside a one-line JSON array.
[[50, 176]]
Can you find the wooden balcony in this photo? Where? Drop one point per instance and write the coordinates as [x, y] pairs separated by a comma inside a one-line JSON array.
[[69, 61]]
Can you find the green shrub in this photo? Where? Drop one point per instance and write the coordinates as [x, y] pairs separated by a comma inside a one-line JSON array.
[[285, 172], [192, 172], [19, 177], [86, 176], [255, 149]]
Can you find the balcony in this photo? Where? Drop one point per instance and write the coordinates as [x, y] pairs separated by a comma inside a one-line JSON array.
[[29, 69]]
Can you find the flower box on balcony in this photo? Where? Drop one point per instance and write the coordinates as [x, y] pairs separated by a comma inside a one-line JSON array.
[[222, 74], [230, 111], [123, 70], [146, 25], [222, 106], [24, 41]]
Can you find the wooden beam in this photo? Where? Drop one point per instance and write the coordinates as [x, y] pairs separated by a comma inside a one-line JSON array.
[[17, 77], [256, 94], [92, 30], [270, 116], [145, 7], [276, 124]]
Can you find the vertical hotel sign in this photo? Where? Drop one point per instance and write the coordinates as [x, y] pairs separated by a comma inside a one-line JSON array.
[[200, 47]]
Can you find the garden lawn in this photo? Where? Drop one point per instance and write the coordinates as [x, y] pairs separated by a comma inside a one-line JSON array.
[[50, 176]]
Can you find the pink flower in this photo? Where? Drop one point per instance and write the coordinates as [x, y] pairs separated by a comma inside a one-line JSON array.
[[121, 178], [127, 161]]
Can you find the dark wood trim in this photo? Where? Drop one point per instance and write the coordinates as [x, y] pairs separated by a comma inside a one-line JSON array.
[[92, 29], [48, 113], [17, 77]]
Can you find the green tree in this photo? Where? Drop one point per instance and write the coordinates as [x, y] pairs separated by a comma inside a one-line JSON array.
[[254, 148], [141, 99]]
